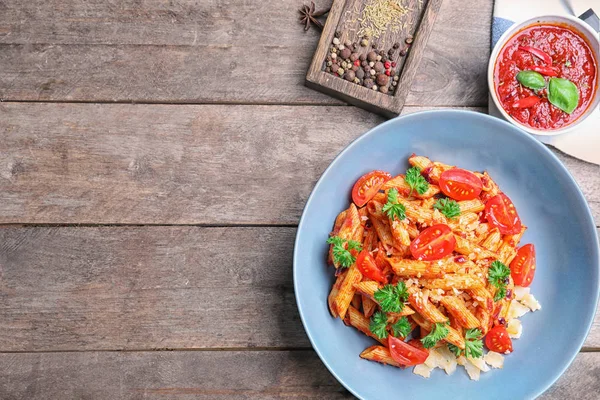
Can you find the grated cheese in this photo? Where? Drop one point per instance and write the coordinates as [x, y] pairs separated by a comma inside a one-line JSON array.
[[514, 328], [520, 291], [422, 370], [530, 301], [496, 360]]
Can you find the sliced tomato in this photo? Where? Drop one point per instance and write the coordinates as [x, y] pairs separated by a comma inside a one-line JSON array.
[[460, 184], [501, 213], [433, 243], [406, 354], [497, 340], [522, 267], [367, 266], [368, 185]]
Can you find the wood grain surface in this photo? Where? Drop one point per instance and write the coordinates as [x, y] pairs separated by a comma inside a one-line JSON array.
[[166, 164], [210, 375], [212, 179], [115, 288], [206, 52]]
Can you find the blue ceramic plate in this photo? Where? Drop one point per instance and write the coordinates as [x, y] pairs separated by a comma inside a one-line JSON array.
[[549, 203]]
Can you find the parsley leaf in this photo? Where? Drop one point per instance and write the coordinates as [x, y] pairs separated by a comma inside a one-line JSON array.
[[448, 207], [378, 325], [392, 208], [401, 328], [473, 343], [416, 181], [341, 255], [438, 332], [498, 274], [391, 298], [455, 349]]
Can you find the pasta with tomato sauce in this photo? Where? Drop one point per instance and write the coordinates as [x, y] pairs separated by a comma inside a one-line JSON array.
[[428, 264]]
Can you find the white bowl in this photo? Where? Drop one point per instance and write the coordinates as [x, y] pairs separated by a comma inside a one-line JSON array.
[[579, 27]]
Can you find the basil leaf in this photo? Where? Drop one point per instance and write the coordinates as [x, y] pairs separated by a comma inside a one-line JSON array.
[[531, 79], [563, 94]]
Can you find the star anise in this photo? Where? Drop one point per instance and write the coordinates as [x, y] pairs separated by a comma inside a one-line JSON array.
[[309, 16]]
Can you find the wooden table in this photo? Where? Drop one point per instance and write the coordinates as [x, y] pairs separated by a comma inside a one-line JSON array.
[[155, 158]]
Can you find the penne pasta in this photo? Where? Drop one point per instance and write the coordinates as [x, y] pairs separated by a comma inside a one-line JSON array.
[[369, 305], [473, 206], [513, 240], [423, 306], [506, 253], [334, 292], [346, 291], [359, 321], [413, 268], [368, 288], [399, 235], [356, 301], [472, 250], [457, 308], [493, 240], [452, 281], [379, 354]]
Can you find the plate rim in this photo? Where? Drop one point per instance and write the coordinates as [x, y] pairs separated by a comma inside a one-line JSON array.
[[468, 114]]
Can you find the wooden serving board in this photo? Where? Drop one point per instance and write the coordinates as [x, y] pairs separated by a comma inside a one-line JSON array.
[[344, 18]]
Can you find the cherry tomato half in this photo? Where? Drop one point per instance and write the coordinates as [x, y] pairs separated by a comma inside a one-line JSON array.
[[460, 184], [406, 354], [433, 243], [367, 186], [522, 267], [497, 340], [367, 266], [501, 213]]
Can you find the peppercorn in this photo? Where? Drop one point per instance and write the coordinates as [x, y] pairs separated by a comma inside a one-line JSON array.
[[344, 64], [368, 83], [372, 64], [334, 56], [381, 53], [349, 76], [392, 72], [367, 68], [345, 53], [364, 63], [327, 69], [382, 79], [336, 41], [364, 42], [378, 66], [387, 72], [387, 65], [372, 72], [360, 73], [355, 46], [354, 68], [356, 80], [378, 58], [329, 63], [374, 44], [334, 67], [340, 71], [337, 34], [403, 52], [391, 52], [393, 64], [347, 43], [396, 78], [353, 57], [409, 39], [371, 56], [383, 89], [374, 87], [396, 45], [341, 47], [394, 83], [362, 57]]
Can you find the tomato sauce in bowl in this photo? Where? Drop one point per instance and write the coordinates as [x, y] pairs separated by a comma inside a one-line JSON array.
[[554, 51]]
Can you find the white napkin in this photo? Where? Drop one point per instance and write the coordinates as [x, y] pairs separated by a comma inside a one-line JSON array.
[[584, 141]]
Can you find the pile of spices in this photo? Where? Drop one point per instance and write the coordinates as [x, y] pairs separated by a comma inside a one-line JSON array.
[[380, 15], [366, 66]]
